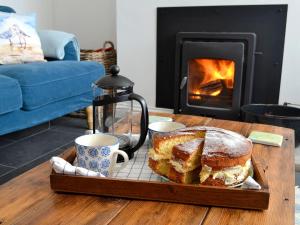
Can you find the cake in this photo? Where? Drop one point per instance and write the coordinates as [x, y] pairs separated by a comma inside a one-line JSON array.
[[185, 161], [161, 167], [226, 158], [164, 143], [161, 153], [186, 156], [206, 155], [188, 177]]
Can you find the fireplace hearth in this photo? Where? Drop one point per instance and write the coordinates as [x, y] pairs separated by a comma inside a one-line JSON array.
[[217, 59]]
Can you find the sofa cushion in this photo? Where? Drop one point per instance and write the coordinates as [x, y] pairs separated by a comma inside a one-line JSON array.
[[44, 83], [10, 95]]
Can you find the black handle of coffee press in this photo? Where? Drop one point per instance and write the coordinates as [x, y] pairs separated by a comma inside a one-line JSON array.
[[144, 120]]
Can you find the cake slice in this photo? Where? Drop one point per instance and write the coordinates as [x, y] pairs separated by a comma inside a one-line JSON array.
[[185, 161], [164, 143], [161, 167], [161, 153], [187, 156], [177, 155]]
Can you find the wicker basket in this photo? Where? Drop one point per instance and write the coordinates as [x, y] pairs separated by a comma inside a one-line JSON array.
[[106, 55]]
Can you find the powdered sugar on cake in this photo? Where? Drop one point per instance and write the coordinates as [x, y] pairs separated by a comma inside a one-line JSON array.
[[224, 144]]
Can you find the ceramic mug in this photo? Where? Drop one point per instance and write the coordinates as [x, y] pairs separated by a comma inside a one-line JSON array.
[[163, 127], [99, 152]]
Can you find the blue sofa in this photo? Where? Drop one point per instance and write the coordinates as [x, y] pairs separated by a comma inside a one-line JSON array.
[[34, 93]]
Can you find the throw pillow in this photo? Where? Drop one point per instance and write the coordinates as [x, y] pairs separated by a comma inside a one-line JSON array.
[[19, 41]]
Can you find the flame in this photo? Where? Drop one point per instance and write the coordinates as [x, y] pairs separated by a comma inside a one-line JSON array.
[[216, 93], [218, 73], [214, 69]]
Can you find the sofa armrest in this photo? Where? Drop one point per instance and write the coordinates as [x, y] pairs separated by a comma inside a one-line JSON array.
[[59, 45], [71, 52], [7, 9]]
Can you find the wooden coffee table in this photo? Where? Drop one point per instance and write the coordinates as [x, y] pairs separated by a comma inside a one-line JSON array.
[[28, 199]]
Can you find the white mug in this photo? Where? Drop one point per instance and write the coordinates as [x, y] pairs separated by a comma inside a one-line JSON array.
[[163, 127], [99, 152]]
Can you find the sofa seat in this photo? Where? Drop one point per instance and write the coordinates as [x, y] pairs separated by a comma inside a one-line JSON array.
[[43, 83], [10, 95]]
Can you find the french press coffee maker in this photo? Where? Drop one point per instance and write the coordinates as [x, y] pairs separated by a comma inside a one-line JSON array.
[[113, 110]]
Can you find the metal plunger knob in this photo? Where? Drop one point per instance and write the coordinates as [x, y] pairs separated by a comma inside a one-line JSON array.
[[114, 70]]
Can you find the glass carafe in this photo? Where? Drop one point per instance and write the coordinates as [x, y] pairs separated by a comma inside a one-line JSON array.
[[113, 110]]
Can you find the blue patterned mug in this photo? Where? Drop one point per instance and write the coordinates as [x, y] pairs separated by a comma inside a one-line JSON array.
[[99, 152]]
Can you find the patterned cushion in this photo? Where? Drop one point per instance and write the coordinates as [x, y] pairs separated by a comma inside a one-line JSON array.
[[19, 42]]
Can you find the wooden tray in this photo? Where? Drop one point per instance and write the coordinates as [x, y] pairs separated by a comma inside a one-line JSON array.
[[165, 191]]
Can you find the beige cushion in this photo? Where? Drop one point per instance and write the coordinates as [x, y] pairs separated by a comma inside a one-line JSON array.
[[19, 41]]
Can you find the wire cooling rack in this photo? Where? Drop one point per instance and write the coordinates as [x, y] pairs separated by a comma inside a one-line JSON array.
[[137, 168]]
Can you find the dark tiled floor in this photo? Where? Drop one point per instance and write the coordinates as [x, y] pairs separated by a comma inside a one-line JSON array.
[[4, 169], [25, 149], [5, 141]]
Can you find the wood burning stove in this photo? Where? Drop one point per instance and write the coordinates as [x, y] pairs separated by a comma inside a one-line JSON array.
[[211, 71], [212, 60]]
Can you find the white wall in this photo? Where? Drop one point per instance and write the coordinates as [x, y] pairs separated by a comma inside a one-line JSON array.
[[43, 10], [93, 21], [136, 40]]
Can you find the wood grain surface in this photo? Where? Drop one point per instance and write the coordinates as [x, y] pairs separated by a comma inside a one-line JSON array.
[[28, 199]]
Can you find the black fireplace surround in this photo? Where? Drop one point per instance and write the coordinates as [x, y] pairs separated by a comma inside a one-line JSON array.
[[249, 37]]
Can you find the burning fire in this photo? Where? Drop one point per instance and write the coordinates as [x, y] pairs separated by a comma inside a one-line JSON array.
[[210, 76]]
